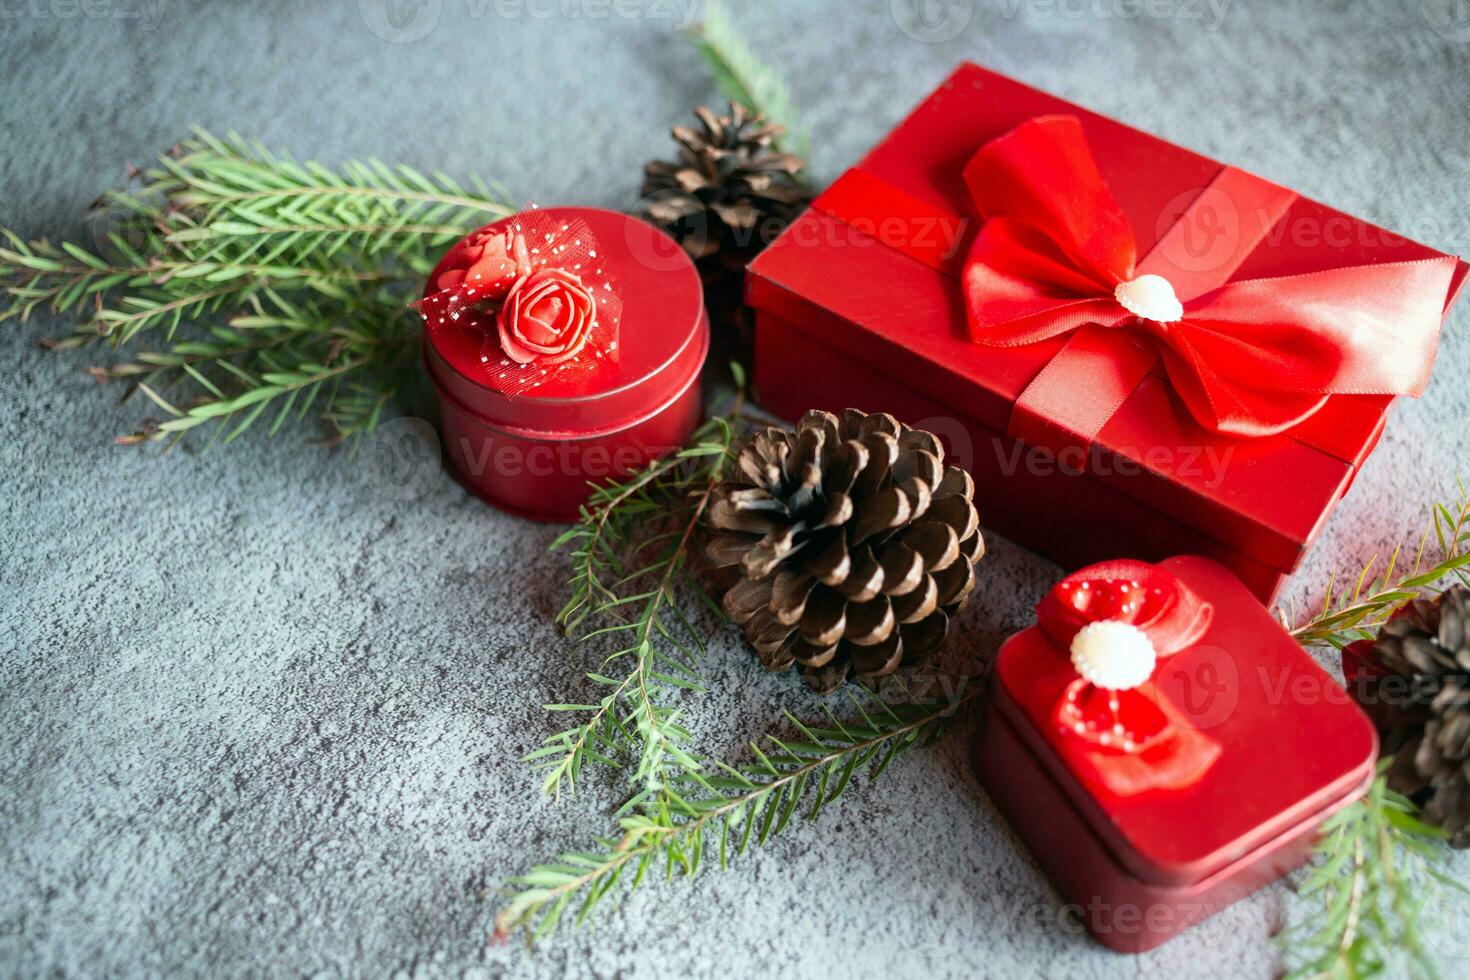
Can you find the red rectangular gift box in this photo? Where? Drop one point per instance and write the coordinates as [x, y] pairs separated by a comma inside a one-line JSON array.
[[859, 304]]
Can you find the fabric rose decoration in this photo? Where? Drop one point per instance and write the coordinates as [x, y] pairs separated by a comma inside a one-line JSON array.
[[542, 315], [532, 290], [491, 262], [547, 317]]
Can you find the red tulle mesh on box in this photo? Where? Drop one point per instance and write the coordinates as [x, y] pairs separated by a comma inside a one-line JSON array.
[[532, 291]]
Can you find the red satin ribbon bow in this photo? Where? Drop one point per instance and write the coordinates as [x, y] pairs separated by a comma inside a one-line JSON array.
[[1250, 358], [1130, 740]]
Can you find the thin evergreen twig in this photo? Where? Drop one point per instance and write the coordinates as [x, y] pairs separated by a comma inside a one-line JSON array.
[[630, 554], [745, 78], [727, 807], [1358, 612]]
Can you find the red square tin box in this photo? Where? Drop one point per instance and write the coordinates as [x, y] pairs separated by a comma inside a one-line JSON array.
[[1088, 442], [1258, 747]]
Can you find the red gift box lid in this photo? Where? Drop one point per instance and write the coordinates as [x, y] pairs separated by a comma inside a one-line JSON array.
[[661, 342], [1293, 741], [872, 269]]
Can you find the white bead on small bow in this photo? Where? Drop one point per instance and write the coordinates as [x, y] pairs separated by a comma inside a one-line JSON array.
[[1113, 655]]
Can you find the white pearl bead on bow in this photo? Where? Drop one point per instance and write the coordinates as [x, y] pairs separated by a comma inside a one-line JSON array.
[[1113, 655], [1151, 297]]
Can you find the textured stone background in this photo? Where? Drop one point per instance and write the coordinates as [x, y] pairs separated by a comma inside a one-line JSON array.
[[261, 718]]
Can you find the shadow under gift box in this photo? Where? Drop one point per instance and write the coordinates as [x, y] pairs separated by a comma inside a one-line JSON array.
[[859, 304], [535, 453], [1142, 869]]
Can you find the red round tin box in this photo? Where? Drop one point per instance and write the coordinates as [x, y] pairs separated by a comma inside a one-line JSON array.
[[536, 452], [1140, 868]]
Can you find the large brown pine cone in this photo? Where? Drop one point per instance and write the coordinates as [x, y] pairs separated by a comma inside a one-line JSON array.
[[1426, 728], [854, 544]]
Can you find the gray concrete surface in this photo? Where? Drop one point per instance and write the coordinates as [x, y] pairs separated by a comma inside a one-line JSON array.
[[260, 718]]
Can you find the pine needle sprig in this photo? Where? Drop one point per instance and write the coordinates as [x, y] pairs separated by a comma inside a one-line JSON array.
[[745, 78], [233, 197], [156, 288], [1375, 869], [715, 807], [1372, 884], [284, 358], [1358, 612], [272, 287], [630, 569]]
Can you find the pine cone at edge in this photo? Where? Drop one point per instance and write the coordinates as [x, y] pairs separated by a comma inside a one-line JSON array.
[[1424, 720]]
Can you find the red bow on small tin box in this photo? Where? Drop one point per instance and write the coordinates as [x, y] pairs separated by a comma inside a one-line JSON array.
[[1117, 621]]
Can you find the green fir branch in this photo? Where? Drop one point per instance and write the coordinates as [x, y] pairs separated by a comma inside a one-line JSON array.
[[233, 197], [278, 361], [38, 275], [1372, 886], [1359, 611], [720, 808], [630, 566], [1375, 871], [264, 288], [743, 77]]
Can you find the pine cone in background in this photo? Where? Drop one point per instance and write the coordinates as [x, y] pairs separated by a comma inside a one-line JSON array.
[[854, 544], [728, 196], [1425, 721]]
